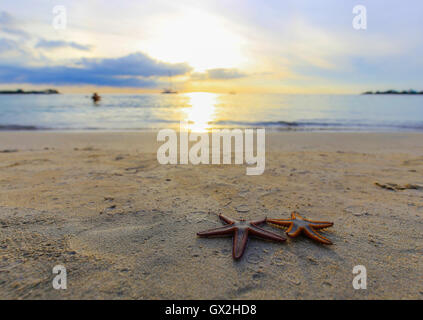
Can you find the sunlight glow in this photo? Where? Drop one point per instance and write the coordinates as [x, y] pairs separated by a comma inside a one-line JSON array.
[[198, 38]]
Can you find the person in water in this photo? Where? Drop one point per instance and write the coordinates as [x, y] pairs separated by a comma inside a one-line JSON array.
[[96, 97]]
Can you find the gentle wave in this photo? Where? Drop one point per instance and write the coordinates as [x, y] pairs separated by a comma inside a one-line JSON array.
[[271, 125], [16, 127], [318, 125]]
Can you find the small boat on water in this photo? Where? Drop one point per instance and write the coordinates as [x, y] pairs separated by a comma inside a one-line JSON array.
[[169, 90]]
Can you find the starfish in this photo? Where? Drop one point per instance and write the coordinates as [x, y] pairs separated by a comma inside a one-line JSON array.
[[298, 224], [241, 230]]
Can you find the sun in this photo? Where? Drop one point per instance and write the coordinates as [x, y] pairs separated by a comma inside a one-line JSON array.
[[202, 40]]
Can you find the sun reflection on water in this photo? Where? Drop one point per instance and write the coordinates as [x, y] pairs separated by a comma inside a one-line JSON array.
[[202, 111]]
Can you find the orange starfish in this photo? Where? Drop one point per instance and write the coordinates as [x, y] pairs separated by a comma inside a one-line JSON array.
[[298, 224]]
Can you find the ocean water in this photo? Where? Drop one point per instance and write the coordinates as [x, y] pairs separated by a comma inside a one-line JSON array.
[[208, 110]]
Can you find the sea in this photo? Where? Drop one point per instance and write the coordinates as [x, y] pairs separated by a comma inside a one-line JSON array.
[[205, 111]]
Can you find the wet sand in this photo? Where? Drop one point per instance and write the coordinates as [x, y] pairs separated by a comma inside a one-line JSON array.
[[125, 226]]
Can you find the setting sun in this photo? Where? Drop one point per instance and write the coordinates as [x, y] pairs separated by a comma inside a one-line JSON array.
[[198, 38]]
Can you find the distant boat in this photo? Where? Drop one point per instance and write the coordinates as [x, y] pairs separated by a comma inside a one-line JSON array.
[[169, 90], [232, 92]]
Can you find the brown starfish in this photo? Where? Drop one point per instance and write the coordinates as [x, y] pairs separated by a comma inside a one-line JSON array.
[[298, 224], [241, 230]]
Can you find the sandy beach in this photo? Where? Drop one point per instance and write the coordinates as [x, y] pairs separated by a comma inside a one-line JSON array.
[[125, 226]]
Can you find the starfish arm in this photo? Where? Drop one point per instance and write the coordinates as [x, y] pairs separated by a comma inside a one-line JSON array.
[[264, 234], [226, 219], [313, 234], [293, 230], [239, 242], [259, 222], [320, 224], [225, 230], [296, 215], [280, 222]]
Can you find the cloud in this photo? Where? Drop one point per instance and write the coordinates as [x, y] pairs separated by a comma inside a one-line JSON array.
[[135, 70], [68, 76], [6, 18], [21, 62], [218, 74], [136, 64], [14, 52], [7, 45], [55, 44], [10, 26]]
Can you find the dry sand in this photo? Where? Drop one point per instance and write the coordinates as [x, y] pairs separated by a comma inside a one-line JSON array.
[[125, 226]]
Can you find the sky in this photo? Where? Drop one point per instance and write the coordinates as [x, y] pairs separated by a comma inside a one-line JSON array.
[[291, 46]]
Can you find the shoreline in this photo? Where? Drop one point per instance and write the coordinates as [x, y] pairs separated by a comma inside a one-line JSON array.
[[269, 130], [409, 141]]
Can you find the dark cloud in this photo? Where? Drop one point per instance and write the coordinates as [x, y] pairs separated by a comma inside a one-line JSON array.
[[55, 44], [219, 74], [136, 64], [135, 70], [67, 76]]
